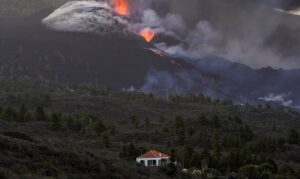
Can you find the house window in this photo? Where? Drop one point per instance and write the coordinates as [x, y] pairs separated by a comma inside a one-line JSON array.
[[163, 162], [154, 162], [143, 162], [151, 163]]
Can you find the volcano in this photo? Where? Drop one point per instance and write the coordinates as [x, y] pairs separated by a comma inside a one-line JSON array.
[[87, 16], [104, 53], [87, 42]]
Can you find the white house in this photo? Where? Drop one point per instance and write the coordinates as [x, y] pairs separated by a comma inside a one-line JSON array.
[[153, 159]]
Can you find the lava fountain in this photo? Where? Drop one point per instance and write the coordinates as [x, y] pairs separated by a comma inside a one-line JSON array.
[[147, 33], [120, 7]]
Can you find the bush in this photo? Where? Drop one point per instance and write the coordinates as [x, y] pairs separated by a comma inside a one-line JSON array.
[[286, 170], [202, 119], [6, 174], [212, 172], [22, 113], [293, 136], [99, 127], [8, 113], [170, 169], [246, 134], [40, 114], [250, 171], [56, 121], [266, 167], [73, 124], [105, 141]]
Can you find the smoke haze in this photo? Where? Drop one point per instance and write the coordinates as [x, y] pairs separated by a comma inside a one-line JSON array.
[[249, 32], [211, 36], [240, 31]]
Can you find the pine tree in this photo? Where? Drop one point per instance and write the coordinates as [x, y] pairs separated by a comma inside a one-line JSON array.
[[171, 167], [99, 127], [216, 121], [238, 120], [8, 113], [186, 154], [180, 129], [205, 155], [56, 121], [293, 136], [246, 133], [135, 121], [28, 116], [22, 113], [40, 114], [105, 141], [196, 159], [147, 122], [112, 130], [162, 119], [202, 119], [132, 153], [215, 144]]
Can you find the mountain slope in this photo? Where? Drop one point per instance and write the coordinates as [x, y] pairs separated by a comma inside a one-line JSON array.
[[124, 61], [67, 139], [113, 60]]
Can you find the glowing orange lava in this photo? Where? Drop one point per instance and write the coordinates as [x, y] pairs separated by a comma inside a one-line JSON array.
[[175, 63], [121, 7], [147, 33]]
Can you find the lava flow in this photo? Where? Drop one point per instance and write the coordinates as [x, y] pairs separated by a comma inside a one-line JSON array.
[[156, 52], [147, 33], [121, 7]]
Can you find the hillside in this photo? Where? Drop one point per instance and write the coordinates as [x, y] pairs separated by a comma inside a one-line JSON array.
[[85, 100], [28, 48], [75, 57], [84, 131]]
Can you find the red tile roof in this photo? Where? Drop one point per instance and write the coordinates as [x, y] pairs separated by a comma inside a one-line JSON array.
[[153, 154]]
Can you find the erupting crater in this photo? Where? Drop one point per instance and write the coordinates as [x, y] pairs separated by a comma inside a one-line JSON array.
[[96, 17], [120, 7]]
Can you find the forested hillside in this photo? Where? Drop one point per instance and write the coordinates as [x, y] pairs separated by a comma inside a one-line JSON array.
[[87, 131], [67, 109]]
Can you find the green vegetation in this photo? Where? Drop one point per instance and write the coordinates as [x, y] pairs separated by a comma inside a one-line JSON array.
[[82, 131]]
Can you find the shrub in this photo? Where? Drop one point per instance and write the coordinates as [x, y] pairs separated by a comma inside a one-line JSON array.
[[105, 141], [250, 171], [99, 127], [40, 114], [6, 174], [56, 121], [293, 136]]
